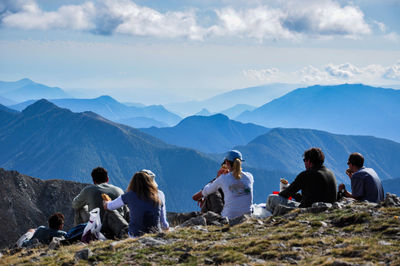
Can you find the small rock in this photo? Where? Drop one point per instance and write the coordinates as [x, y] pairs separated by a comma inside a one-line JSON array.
[[114, 244], [342, 245], [324, 224], [211, 217], [239, 220], [282, 245], [208, 261], [384, 243], [318, 207], [83, 254], [391, 200], [337, 205], [55, 243], [297, 249], [200, 228], [260, 222], [341, 263], [282, 209], [200, 220], [149, 241]]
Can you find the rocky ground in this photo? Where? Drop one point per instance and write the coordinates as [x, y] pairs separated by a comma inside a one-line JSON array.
[[346, 233]]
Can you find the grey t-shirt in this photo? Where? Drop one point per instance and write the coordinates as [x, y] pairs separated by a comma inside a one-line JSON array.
[[91, 196], [366, 185]]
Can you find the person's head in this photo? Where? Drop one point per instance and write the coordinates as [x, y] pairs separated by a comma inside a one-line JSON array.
[[234, 160], [151, 174], [355, 161], [144, 187], [56, 221], [99, 175], [313, 158]]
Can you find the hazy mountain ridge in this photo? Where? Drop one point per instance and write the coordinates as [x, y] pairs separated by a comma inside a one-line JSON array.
[[252, 96], [26, 89], [210, 134], [282, 148], [110, 108], [345, 109]]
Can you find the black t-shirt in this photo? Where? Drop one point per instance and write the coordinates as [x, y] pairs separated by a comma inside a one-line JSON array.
[[316, 184]]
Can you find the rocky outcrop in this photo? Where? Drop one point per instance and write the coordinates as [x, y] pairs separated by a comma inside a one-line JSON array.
[[27, 202]]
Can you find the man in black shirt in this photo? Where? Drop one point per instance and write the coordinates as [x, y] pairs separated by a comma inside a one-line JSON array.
[[317, 183]]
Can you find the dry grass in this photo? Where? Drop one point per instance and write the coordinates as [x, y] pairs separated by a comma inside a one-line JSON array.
[[356, 235]]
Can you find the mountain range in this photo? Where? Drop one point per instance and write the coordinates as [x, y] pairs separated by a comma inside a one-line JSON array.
[[346, 109], [26, 89], [209, 134], [282, 149], [108, 107], [51, 142], [254, 96]]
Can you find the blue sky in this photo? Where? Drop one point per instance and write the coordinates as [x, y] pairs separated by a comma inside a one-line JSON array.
[[165, 51]]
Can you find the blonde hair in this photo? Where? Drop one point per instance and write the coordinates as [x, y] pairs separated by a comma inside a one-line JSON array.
[[144, 187], [237, 168]]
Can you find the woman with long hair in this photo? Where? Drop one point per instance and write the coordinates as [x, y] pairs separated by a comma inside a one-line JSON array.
[[146, 205], [236, 185]]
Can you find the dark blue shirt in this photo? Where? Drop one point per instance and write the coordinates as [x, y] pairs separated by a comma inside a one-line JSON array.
[[144, 216], [45, 235], [366, 185]]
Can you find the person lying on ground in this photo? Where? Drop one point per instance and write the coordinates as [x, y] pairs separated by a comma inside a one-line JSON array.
[[44, 234]]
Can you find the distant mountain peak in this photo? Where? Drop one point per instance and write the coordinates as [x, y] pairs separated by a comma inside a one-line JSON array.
[[40, 106], [25, 80], [106, 98]]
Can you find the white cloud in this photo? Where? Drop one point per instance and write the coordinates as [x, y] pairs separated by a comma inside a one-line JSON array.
[[393, 36], [325, 17], [260, 23], [266, 75], [393, 72], [345, 71], [312, 75], [329, 74], [66, 17], [290, 19]]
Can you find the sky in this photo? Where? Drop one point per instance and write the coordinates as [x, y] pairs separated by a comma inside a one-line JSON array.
[[177, 50]]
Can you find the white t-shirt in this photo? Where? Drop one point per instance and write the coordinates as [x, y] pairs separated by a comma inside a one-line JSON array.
[[238, 193]]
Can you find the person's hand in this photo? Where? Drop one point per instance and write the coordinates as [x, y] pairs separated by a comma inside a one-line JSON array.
[[105, 204], [200, 203], [222, 171], [349, 173], [341, 187], [198, 196]]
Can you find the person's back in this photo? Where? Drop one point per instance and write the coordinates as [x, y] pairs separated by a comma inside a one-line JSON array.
[[144, 215], [320, 186], [91, 196], [317, 183], [45, 234], [366, 185], [238, 194]]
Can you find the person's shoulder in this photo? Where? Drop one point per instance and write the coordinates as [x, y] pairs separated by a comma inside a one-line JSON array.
[[161, 193], [248, 175]]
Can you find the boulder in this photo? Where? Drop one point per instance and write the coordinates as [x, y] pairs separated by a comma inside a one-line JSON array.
[[199, 220], [83, 254], [239, 220]]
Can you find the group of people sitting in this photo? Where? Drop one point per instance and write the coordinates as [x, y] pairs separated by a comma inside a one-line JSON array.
[[141, 209]]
